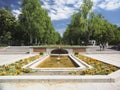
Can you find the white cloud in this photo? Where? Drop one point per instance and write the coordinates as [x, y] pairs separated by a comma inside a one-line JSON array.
[[63, 9], [110, 4], [16, 12], [60, 9], [19, 2]]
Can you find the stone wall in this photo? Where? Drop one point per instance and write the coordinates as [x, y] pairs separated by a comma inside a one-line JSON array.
[[49, 49], [39, 49], [79, 49]]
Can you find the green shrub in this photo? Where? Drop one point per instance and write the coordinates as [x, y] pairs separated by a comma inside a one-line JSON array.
[[76, 53], [41, 53]]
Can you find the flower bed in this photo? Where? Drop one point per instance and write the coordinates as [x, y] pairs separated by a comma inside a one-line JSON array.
[[16, 68], [99, 68]]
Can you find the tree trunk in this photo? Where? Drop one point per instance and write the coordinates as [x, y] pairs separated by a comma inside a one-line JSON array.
[[36, 41], [31, 40]]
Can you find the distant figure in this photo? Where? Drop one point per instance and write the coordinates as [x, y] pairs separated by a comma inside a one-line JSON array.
[[103, 46], [100, 46], [82, 42], [93, 42], [107, 45]]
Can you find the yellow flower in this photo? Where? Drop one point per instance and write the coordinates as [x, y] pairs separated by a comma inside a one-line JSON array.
[[3, 73]]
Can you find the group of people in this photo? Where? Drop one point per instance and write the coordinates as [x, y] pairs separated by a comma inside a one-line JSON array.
[[102, 46]]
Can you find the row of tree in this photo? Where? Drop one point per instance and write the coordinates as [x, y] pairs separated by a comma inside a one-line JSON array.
[[86, 25], [33, 26]]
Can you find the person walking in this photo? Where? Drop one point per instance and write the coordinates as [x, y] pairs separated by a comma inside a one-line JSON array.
[[103, 46], [100, 46]]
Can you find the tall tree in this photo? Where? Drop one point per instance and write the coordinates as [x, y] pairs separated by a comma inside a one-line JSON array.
[[79, 24], [7, 25], [29, 17], [85, 12], [36, 22], [86, 25]]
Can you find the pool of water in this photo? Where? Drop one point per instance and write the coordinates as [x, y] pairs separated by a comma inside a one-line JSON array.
[[57, 62]]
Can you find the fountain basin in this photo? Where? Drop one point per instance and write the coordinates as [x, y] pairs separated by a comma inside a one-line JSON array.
[[61, 62]]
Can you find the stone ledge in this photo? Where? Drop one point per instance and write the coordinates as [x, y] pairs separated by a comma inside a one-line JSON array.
[[115, 75], [55, 78]]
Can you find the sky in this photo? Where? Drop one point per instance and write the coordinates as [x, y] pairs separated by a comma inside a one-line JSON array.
[[60, 11]]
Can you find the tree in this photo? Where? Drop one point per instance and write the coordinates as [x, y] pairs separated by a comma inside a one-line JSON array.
[[7, 25], [86, 25], [102, 30], [36, 23], [116, 38], [78, 30], [29, 16]]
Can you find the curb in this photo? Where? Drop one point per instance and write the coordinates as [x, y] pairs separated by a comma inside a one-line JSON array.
[[55, 78]]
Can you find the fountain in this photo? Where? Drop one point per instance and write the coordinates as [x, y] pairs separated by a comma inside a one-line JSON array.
[[59, 60]]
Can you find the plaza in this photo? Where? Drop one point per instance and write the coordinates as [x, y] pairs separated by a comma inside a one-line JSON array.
[[59, 45], [61, 82]]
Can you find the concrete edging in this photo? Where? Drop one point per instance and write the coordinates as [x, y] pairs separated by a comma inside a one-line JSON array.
[[82, 79], [111, 78]]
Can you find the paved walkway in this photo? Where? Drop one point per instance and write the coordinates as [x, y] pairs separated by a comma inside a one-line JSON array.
[[60, 86], [109, 57], [96, 50], [10, 58]]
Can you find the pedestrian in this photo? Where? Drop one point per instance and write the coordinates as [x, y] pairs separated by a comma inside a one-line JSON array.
[[103, 46], [100, 46]]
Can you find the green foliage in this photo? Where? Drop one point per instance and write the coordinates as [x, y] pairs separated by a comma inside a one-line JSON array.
[[7, 26], [33, 27], [36, 23], [77, 30], [76, 53], [101, 30], [41, 53], [86, 25]]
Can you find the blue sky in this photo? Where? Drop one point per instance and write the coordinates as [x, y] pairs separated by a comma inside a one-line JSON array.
[[60, 11]]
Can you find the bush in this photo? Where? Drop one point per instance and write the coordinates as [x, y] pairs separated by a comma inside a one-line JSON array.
[[76, 53], [41, 53]]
